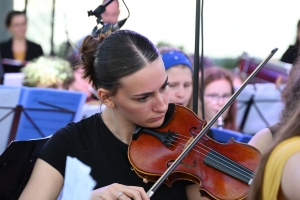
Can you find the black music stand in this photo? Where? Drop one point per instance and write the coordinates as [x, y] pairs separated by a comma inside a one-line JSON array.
[[18, 110], [39, 112], [258, 106], [16, 165]]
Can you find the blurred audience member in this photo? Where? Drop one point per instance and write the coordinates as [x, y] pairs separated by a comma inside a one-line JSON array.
[[79, 83], [110, 16], [111, 13], [180, 71], [48, 72], [291, 98], [218, 88], [207, 62], [291, 53], [18, 50], [238, 78], [277, 176]]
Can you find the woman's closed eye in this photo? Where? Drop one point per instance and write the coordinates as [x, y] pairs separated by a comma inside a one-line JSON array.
[[187, 85], [143, 99], [164, 87]]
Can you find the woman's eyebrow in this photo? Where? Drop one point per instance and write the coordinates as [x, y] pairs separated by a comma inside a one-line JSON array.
[[149, 93]]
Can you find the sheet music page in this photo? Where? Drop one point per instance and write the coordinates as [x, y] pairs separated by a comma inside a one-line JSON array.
[[47, 110], [9, 99], [264, 110], [13, 79], [78, 183]]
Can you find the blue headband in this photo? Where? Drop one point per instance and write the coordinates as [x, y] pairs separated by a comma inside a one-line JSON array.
[[173, 58]]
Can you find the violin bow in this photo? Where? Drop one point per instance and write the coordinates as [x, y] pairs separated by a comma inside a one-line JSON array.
[[207, 127], [196, 62]]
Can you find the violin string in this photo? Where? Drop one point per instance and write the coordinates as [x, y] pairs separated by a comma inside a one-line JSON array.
[[246, 172], [246, 175], [217, 153], [250, 172]]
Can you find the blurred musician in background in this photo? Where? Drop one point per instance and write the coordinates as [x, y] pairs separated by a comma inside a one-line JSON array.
[[112, 12], [180, 73], [17, 50], [110, 16], [290, 97], [277, 176], [218, 88]]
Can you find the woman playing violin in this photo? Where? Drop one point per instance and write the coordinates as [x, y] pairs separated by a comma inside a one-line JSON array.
[[129, 75]]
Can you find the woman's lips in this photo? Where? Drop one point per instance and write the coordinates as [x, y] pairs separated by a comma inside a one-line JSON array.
[[157, 118]]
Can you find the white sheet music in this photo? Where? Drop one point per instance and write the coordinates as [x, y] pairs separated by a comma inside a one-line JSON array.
[[9, 99], [78, 183], [13, 79], [266, 109]]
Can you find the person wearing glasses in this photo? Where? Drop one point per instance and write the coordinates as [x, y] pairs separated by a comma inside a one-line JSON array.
[[218, 88]]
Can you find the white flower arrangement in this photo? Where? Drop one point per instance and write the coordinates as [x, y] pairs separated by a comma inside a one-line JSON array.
[[48, 72]]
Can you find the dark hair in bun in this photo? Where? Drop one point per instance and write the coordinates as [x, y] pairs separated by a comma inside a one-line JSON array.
[[107, 59]]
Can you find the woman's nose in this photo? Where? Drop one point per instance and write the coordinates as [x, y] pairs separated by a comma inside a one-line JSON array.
[[221, 101], [161, 103], [180, 92]]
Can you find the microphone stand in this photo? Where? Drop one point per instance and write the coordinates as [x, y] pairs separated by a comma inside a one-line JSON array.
[[207, 127], [97, 13], [52, 29], [196, 59]]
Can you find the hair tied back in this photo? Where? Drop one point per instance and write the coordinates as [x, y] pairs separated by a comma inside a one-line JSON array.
[[87, 54]]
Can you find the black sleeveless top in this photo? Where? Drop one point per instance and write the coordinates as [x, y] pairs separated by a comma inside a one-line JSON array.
[[92, 143]]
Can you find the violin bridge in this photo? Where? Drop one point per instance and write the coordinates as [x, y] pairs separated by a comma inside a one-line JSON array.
[[188, 143]]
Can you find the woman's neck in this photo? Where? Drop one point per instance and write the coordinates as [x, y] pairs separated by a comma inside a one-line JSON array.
[[19, 40], [120, 127], [18, 44]]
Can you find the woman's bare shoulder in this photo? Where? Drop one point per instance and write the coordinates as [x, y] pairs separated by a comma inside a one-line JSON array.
[[290, 181], [262, 140]]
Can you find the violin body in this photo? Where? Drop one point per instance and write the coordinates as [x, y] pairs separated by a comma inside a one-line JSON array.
[[150, 158]]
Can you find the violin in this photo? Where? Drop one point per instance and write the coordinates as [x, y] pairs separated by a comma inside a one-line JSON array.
[[178, 151], [223, 171]]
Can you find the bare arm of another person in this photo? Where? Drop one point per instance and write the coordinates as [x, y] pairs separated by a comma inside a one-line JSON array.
[[262, 140], [192, 192], [290, 181], [45, 183]]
